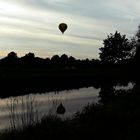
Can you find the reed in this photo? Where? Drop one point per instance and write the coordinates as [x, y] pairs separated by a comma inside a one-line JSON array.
[[22, 112]]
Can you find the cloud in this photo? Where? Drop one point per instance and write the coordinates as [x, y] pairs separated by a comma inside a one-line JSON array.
[[32, 25]]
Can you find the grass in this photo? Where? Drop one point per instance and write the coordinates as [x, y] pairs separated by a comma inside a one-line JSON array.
[[22, 113]]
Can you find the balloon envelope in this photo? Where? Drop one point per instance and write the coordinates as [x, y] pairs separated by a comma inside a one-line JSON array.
[[62, 27]]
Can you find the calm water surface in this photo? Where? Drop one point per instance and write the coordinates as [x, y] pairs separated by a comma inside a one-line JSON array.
[[47, 103], [72, 100]]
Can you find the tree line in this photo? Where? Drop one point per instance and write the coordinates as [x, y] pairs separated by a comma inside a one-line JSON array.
[[116, 50], [56, 61]]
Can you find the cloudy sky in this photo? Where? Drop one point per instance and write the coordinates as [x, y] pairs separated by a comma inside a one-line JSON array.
[[32, 25]]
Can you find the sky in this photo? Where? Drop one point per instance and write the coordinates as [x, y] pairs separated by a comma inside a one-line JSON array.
[[32, 25]]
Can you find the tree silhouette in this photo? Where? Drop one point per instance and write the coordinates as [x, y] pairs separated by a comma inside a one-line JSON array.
[[28, 59], [12, 55], [116, 48], [55, 58], [11, 59], [64, 60], [106, 93], [72, 62], [137, 44]]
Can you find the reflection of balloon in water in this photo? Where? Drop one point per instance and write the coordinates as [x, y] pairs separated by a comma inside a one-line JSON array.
[[62, 27], [61, 109]]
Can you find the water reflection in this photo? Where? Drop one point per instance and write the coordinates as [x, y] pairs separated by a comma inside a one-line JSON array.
[[72, 100], [47, 103], [110, 91]]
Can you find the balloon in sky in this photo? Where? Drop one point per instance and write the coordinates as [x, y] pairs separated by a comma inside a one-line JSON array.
[[62, 27]]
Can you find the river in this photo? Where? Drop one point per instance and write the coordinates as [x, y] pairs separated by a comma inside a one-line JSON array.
[[47, 103]]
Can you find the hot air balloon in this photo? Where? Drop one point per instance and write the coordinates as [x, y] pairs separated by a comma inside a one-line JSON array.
[[62, 27]]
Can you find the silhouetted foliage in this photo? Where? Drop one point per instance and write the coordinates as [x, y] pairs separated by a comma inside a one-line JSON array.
[[55, 58], [72, 62], [28, 59], [106, 93], [64, 60], [136, 44], [11, 59], [30, 55], [12, 55], [116, 48]]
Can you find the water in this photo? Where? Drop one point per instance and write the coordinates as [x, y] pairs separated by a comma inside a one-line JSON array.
[[47, 103]]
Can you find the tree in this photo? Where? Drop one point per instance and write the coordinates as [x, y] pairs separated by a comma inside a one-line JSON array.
[[64, 58], [72, 61], [29, 56], [136, 44], [12, 55], [11, 59], [116, 48], [28, 59], [55, 58], [55, 61]]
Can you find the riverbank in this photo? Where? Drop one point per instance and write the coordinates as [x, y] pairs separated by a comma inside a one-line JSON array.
[[117, 119], [17, 81]]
